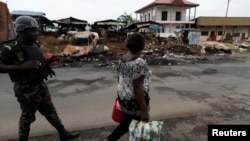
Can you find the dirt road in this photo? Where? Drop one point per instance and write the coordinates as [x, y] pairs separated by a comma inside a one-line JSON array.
[[186, 97]]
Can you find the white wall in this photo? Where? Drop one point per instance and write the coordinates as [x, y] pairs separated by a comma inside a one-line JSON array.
[[171, 12], [170, 24]]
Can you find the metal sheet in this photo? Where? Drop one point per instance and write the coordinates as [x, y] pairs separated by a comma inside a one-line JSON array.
[[7, 30]]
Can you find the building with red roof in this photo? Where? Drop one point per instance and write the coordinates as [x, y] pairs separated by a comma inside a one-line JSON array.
[[171, 14]]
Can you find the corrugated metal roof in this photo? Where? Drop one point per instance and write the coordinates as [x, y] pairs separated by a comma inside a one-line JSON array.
[[219, 21], [109, 22], [142, 25], [28, 13], [170, 3], [34, 14], [71, 20]]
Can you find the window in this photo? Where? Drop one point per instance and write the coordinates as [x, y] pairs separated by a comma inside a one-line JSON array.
[[164, 15], [80, 41], [178, 16], [149, 16], [212, 33], [220, 32], [204, 33], [163, 30]]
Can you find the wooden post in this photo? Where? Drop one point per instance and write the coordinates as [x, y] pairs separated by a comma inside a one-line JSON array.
[[225, 21]]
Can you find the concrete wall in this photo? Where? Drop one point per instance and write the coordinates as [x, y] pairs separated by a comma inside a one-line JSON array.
[[235, 31]]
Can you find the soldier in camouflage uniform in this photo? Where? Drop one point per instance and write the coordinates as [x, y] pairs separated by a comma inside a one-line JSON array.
[[22, 59]]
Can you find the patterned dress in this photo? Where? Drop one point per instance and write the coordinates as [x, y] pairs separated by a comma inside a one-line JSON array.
[[127, 72]]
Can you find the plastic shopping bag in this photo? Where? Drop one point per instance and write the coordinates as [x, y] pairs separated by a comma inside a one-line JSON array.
[[145, 131]]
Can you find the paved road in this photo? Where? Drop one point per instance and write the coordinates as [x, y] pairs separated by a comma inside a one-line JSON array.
[[211, 92]]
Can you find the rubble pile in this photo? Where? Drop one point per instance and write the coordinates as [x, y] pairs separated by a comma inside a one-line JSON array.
[[155, 54]]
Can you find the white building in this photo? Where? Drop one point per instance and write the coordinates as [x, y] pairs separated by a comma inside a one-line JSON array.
[[171, 14]]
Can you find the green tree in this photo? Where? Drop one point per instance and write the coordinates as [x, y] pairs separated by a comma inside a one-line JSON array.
[[126, 18]]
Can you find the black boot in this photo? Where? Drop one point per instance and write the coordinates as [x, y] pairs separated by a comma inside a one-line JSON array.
[[65, 135]]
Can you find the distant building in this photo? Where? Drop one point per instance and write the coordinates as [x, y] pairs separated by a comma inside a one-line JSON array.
[[70, 24], [43, 22], [212, 28], [171, 14]]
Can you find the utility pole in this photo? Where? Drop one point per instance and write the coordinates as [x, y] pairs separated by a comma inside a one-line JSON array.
[[225, 21]]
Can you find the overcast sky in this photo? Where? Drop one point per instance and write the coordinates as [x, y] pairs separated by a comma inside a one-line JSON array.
[[94, 10]]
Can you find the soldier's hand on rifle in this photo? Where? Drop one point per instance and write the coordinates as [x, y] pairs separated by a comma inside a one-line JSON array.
[[31, 64]]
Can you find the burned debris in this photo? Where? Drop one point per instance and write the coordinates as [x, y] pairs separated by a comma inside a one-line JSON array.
[[98, 45], [75, 41], [167, 53]]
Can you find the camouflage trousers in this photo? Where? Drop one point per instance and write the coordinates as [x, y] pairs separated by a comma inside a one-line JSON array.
[[32, 98]]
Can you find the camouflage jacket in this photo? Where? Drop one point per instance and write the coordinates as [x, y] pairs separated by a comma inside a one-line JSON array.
[[11, 53]]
